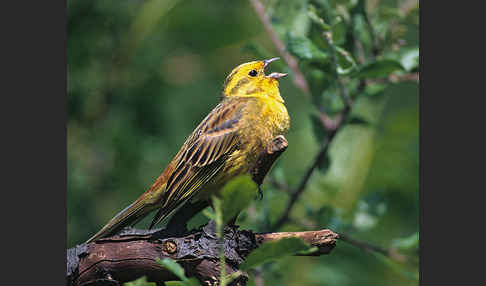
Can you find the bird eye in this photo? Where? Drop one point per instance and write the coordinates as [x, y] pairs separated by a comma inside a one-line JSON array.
[[252, 73]]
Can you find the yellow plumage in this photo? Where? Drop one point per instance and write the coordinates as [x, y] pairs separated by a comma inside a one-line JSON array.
[[224, 145]]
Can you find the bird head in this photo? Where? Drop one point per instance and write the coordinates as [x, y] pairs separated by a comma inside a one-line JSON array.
[[249, 80]]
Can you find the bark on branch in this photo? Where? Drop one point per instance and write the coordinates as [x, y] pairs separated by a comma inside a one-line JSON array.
[[132, 254]]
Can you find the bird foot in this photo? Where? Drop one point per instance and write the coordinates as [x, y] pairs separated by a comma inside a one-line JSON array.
[[260, 193]]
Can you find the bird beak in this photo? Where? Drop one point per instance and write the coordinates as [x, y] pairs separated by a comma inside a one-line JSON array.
[[274, 75], [267, 62]]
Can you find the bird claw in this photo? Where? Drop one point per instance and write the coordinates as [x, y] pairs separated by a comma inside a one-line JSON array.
[[260, 193]]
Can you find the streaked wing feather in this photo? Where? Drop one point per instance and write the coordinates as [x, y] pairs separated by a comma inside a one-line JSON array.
[[215, 138]]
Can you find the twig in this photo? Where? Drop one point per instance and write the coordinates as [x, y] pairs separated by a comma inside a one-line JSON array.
[[391, 253], [324, 239], [365, 246], [299, 78], [278, 185], [394, 78], [327, 122]]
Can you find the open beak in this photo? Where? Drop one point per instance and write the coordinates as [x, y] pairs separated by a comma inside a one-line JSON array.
[[274, 75]]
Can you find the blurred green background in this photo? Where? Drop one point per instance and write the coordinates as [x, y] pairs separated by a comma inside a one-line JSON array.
[[143, 74]]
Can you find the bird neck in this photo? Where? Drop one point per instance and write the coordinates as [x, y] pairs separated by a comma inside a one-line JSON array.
[[269, 95]]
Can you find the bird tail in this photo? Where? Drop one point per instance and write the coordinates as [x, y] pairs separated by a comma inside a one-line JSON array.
[[127, 217]]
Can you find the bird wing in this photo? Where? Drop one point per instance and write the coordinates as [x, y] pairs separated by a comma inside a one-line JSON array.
[[206, 152]]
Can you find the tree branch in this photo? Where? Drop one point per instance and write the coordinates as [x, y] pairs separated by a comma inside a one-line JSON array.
[[363, 245], [125, 257]]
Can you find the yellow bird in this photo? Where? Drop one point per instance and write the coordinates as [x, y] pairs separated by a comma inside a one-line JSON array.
[[226, 144]]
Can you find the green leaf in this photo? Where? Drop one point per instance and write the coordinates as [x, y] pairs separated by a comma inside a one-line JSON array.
[[237, 195], [309, 251], [379, 68], [192, 282], [142, 281], [273, 250], [345, 61], [209, 213], [374, 89], [174, 283], [410, 59], [407, 243], [305, 49], [232, 277], [178, 271], [173, 267]]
